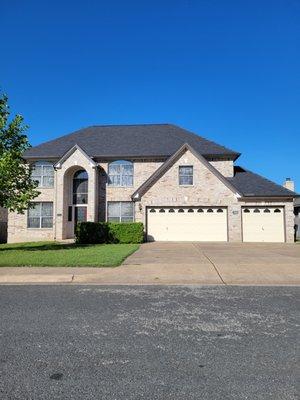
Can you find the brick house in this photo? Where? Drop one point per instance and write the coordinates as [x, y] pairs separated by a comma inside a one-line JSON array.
[[181, 186]]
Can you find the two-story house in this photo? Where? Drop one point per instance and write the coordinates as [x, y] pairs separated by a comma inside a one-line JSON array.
[[181, 186]]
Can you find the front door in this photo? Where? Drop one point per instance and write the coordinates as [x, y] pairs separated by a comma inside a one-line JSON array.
[[80, 215]]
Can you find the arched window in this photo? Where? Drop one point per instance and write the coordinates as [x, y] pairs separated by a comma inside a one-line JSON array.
[[162, 210], [120, 173], [266, 210], [219, 210], [43, 173], [152, 210], [256, 210], [246, 210], [277, 210], [171, 210], [200, 210], [210, 210], [190, 210], [80, 187], [181, 210]]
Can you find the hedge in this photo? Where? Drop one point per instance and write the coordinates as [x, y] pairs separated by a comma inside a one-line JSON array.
[[108, 232]]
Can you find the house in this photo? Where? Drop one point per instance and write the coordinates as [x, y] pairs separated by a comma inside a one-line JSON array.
[[3, 225], [181, 186]]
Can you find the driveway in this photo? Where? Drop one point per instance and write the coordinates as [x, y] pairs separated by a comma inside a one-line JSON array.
[[215, 263]]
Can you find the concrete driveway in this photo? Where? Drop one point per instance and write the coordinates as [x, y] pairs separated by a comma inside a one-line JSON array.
[[215, 263]]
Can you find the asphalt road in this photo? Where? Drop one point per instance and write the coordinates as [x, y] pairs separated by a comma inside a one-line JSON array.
[[94, 342]]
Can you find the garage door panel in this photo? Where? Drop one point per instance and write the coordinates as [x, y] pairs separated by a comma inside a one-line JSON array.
[[263, 224], [187, 224]]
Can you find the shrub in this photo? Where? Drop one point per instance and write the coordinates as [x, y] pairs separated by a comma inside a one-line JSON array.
[[125, 233], [103, 232], [91, 232]]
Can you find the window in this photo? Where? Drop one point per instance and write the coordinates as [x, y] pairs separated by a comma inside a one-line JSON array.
[[120, 211], [120, 173], [161, 210], [246, 210], [219, 210], [190, 210], [80, 187], [185, 175], [43, 173], [40, 215], [277, 210]]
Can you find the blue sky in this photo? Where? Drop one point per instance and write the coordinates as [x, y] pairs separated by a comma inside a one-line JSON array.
[[227, 70]]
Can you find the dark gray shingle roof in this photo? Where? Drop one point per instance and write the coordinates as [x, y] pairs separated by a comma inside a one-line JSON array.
[[129, 141], [251, 185]]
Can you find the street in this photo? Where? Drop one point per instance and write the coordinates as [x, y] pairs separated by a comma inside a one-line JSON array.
[[149, 342]]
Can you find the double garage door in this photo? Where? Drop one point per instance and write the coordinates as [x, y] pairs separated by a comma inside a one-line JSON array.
[[209, 224], [203, 224]]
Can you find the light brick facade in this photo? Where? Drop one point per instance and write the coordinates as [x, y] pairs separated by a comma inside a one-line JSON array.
[[207, 190]]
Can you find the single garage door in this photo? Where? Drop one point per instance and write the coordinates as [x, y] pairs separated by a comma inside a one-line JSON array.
[[194, 224], [263, 224]]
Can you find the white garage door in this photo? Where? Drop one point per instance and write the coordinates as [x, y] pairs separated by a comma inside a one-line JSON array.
[[187, 224], [263, 224]]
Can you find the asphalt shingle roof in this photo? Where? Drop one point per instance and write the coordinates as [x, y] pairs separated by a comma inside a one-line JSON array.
[[129, 141], [251, 185]]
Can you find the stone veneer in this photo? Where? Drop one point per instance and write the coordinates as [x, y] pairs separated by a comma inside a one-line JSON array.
[[208, 190]]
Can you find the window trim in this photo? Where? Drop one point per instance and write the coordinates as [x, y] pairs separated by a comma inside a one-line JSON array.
[[120, 162], [42, 165], [190, 175], [120, 211], [40, 216]]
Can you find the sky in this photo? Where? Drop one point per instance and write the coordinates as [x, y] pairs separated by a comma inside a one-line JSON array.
[[227, 70]]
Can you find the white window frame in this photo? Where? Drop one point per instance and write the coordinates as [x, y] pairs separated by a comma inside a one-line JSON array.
[[42, 165], [120, 211], [40, 215], [189, 175], [120, 163]]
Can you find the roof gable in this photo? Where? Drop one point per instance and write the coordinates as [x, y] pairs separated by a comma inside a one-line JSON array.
[[69, 153], [138, 194]]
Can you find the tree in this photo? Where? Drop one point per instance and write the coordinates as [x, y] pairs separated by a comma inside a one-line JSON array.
[[17, 189]]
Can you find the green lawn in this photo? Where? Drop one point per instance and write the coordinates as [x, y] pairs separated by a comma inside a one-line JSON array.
[[53, 254]]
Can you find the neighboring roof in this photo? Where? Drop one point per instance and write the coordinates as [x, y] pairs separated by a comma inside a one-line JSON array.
[[253, 185], [170, 161], [129, 141]]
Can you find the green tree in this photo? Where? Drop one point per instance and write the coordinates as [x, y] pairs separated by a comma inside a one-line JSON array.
[[17, 189]]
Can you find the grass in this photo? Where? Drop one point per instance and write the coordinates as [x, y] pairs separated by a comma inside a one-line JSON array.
[[53, 254]]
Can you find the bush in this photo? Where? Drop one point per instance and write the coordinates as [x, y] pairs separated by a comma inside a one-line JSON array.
[[91, 232], [126, 233], [103, 232]]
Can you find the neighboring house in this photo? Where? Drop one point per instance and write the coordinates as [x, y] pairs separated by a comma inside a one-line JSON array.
[[297, 217], [181, 186], [3, 225]]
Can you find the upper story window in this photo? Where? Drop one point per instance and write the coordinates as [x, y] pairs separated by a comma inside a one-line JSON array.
[[43, 173], [80, 187], [186, 174], [120, 173]]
